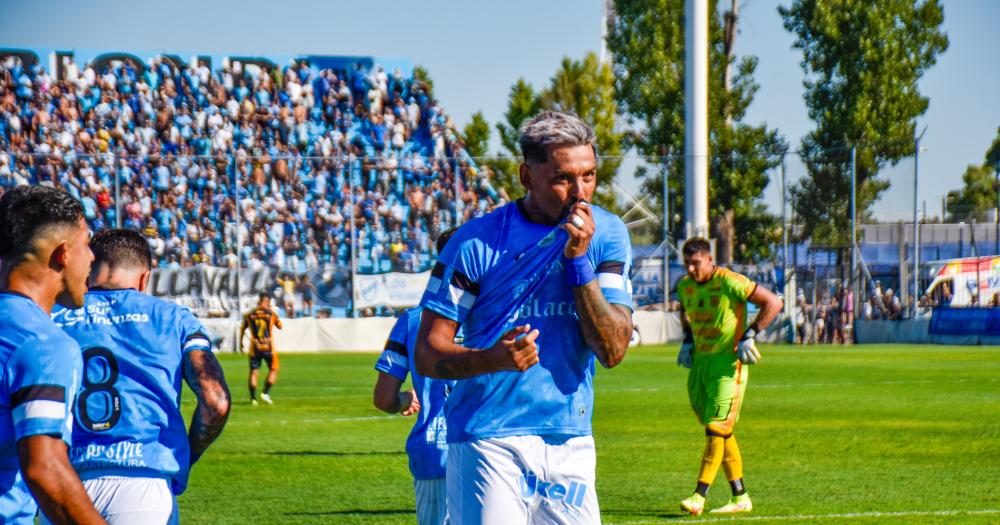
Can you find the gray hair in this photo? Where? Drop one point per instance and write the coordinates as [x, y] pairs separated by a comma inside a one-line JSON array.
[[552, 128]]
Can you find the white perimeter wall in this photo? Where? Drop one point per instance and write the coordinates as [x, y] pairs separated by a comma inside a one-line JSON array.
[[369, 334]]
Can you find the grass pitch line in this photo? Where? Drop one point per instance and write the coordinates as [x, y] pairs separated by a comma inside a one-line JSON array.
[[810, 517]]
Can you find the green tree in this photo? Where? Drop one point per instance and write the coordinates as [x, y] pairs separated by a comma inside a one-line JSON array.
[[647, 42], [421, 75], [582, 87], [863, 61], [979, 190], [522, 103], [476, 135]]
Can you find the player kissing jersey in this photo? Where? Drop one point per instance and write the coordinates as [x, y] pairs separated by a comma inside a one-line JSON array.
[[426, 445], [502, 270], [40, 377], [128, 421]]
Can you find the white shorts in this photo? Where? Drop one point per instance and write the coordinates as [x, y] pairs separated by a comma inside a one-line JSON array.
[[127, 501], [432, 505], [521, 480]]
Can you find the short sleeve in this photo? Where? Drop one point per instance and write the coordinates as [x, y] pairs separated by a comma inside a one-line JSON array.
[[193, 333], [453, 287], [42, 377], [615, 264], [739, 286], [395, 360]]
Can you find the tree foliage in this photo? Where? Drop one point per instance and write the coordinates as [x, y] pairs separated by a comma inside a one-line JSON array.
[[979, 190], [863, 61], [476, 135], [647, 42], [582, 87], [420, 74]]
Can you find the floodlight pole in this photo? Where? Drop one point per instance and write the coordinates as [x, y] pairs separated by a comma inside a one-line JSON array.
[[696, 116], [854, 227], [916, 222], [666, 234], [996, 211], [789, 306]]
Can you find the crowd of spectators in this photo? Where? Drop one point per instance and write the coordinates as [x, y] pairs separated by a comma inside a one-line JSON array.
[[282, 159], [830, 320]]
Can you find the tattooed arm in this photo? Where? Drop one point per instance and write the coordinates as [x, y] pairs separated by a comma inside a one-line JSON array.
[[203, 374], [437, 355], [606, 327]]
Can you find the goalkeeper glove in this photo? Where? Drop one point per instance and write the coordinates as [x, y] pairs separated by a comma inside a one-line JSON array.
[[684, 356], [687, 347], [746, 350]]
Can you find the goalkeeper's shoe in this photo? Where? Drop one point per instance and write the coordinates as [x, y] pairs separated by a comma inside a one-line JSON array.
[[266, 398], [739, 503], [694, 505]]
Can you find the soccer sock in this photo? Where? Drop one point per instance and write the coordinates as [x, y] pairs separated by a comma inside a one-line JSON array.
[[267, 387], [732, 463], [253, 393], [710, 461]]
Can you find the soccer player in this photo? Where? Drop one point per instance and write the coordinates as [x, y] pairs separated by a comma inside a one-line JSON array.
[[44, 260], [540, 289], [261, 321], [426, 445], [129, 444], [717, 346]]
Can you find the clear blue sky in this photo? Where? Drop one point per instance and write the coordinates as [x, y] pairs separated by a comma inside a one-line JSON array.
[[475, 49]]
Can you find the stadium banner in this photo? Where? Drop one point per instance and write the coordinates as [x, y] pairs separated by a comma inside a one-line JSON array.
[[209, 291], [394, 289], [965, 321]]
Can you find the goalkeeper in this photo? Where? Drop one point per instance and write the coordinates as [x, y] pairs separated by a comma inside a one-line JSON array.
[[717, 345]]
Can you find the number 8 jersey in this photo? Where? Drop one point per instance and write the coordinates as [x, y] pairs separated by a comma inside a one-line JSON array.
[[128, 419]]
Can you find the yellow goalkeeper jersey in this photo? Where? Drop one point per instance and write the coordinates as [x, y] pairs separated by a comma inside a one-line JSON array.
[[716, 309]]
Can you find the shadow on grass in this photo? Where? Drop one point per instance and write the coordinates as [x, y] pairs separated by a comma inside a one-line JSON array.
[[334, 453], [356, 512], [629, 513]]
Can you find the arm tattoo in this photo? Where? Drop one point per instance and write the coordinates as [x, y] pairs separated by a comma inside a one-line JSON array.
[[204, 375], [606, 328]]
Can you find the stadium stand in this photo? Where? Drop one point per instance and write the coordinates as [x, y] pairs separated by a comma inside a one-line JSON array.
[[287, 156]]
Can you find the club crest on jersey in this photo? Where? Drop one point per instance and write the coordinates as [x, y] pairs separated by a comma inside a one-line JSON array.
[[69, 317]]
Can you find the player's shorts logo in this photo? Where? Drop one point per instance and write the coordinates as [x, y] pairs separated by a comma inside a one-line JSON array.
[[531, 486]]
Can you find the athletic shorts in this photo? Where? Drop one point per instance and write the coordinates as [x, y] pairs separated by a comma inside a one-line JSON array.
[[432, 503], [125, 500], [271, 358], [523, 480], [716, 386]]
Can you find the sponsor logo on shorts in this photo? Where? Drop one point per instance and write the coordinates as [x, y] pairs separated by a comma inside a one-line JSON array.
[[532, 486]]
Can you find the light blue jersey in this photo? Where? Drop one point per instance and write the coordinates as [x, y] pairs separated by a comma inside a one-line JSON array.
[[502, 271], [427, 444], [128, 421], [41, 373]]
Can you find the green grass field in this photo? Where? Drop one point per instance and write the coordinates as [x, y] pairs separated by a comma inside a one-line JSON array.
[[870, 434]]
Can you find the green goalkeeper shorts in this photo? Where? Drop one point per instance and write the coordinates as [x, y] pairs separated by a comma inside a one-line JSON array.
[[716, 387]]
